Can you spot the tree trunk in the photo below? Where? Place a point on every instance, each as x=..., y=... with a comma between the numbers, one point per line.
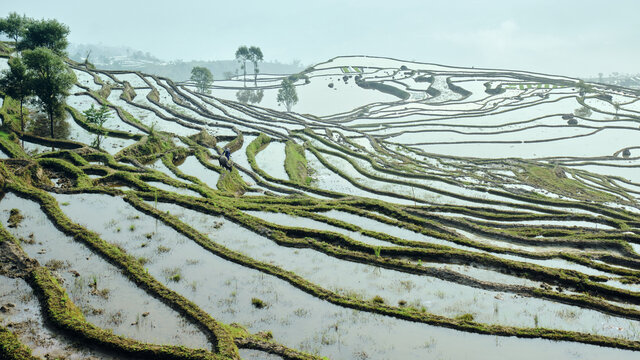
x=22, y=122
x=99, y=137
x=51, y=121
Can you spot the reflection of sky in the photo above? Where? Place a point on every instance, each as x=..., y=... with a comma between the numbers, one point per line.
x=545, y=36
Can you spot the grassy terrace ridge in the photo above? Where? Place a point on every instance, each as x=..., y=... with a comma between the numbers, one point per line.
x=296, y=230
x=127, y=263
x=251, y=152
x=259, y=226
x=230, y=181
x=55, y=296
x=535, y=200
x=82, y=121
x=295, y=163
x=414, y=315
x=409, y=314
x=558, y=233
x=11, y=348
x=64, y=315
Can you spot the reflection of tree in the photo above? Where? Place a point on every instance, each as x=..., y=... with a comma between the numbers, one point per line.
x=250, y=96
x=243, y=96
x=582, y=112
x=257, y=97
x=40, y=126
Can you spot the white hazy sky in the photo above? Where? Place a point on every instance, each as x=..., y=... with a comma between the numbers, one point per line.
x=569, y=37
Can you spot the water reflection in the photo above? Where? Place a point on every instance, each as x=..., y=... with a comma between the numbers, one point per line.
x=41, y=126
x=250, y=96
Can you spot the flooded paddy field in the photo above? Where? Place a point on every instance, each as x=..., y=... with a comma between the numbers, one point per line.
x=400, y=209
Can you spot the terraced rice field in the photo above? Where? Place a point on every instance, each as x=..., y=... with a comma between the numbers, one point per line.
x=402, y=211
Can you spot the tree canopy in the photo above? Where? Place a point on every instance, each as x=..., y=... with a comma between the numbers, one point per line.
x=50, y=80
x=250, y=96
x=255, y=55
x=202, y=77
x=287, y=94
x=16, y=83
x=14, y=26
x=49, y=34
x=97, y=117
x=242, y=55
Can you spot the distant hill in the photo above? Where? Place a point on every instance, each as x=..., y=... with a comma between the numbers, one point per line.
x=626, y=80
x=124, y=58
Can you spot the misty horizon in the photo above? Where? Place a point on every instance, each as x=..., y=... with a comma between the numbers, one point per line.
x=578, y=39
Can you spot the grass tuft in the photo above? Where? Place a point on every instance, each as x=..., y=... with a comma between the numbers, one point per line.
x=257, y=303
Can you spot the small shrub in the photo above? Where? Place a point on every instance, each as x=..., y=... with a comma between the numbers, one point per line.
x=257, y=303
x=103, y=293
x=378, y=299
x=173, y=274
x=56, y=265
x=582, y=111
x=15, y=218
x=465, y=317
x=29, y=240
x=407, y=285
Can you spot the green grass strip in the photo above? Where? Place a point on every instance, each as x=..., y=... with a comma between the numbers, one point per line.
x=295, y=163
x=344, y=301
x=81, y=120
x=11, y=348
x=65, y=315
x=130, y=266
x=232, y=182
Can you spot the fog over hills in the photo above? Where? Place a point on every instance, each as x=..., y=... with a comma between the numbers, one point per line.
x=126, y=58
x=572, y=38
